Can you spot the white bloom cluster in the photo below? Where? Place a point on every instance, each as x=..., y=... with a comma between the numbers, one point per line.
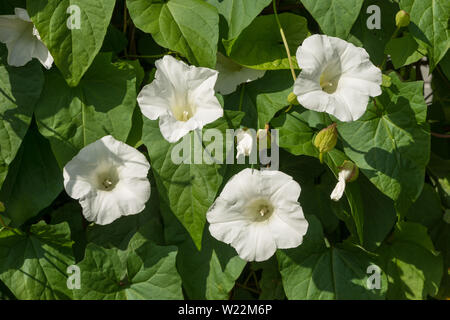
x=258, y=211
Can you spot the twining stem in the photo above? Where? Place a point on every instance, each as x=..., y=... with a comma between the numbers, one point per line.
x=147, y=56
x=241, y=98
x=125, y=23
x=441, y=135
x=286, y=46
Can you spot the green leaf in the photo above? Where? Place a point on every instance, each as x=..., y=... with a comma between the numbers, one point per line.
x=71, y=213
x=188, y=189
x=101, y=104
x=262, y=99
x=316, y=186
x=374, y=40
x=427, y=209
x=210, y=273
x=335, y=17
x=295, y=134
x=414, y=269
x=20, y=89
x=33, y=265
x=73, y=49
x=440, y=171
x=403, y=51
x=144, y=271
x=271, y=283
x=34, y=179
x=429, y=25
x=391, y=142
x=313, y=271
x=239, y=14
x=190, y=27
x=260, y=45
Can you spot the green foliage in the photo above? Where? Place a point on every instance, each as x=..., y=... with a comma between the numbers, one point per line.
x=260, y=45
x=20, y=89
x=335, y=17
x=101, y=104
x=190, y=27
x=33, y=263
x=73, y=49
x=390, y=228
x=392, y=143
x=429, y=26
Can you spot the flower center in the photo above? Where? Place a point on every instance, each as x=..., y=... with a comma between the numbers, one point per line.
x=183, y=113
x=260, y=210
x=328, y=85
x=329, y=79
x=107, y=179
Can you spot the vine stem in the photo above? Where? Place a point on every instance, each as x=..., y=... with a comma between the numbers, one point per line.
x=441, y=135
x=241, y=98
x=283, y=36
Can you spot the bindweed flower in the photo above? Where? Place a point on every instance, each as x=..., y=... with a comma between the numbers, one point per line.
x=232, y=74
x=258, y=212
x=245, y=142
x=348, y=172
x=181, y=96
x=337, y=77
x=22, y=40
x=109, y=179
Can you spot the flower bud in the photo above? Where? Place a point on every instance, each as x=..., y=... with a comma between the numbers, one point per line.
x=351, y=171
x=292, y=99
x=244, y=142
x=348, y=172
x=264, y=139
x=402, y=19
x=326, y=140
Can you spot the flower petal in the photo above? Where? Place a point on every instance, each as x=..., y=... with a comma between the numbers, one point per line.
x=42, y=54
x=11, y=28
x=20, y=51
x=173, y=130
x=338, y=191
x=22, y=14
x=232, y=74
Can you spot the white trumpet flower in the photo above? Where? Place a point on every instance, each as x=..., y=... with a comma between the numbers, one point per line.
x=258, y=212
x=337, y=77
x=109, y=179
x=232, y=74
x=181, y=96
x=22, y=40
